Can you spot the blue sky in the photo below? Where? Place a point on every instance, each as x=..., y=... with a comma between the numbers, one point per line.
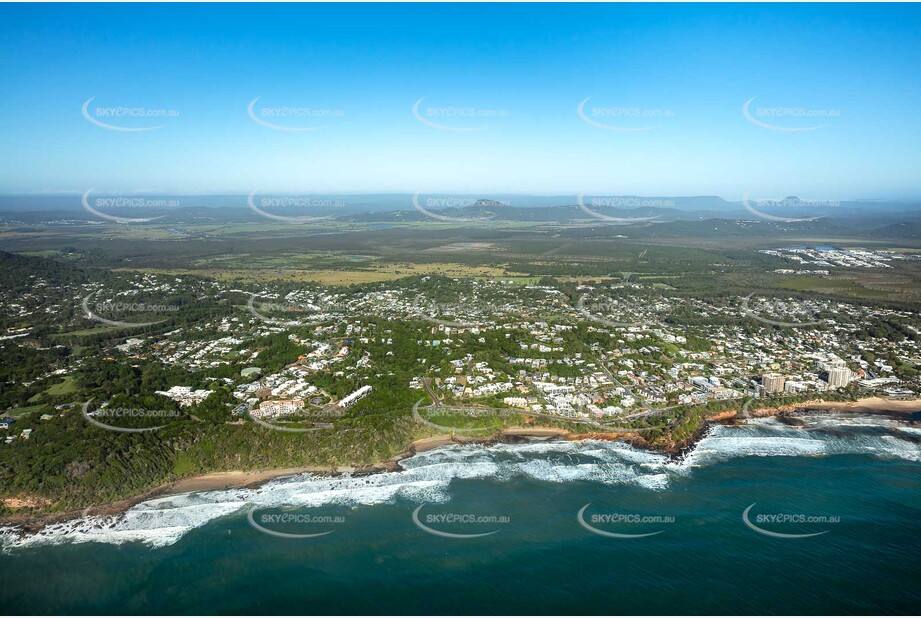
x=680, y=72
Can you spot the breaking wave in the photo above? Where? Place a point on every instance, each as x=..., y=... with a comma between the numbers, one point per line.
x=426, y=477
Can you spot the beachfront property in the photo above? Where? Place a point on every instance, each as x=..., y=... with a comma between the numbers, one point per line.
x=838, y=377
x=874, y=383
x=772, y=383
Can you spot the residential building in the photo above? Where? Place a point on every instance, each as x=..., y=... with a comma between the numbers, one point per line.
x=278, y=407
x=772, y=383
x=348, y=400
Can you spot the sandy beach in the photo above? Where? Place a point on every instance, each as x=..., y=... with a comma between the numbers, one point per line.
x=427, y=444
x=235, y=479
x=868, y=405
x=240, y=478
x=871, y=405
x=534, y=432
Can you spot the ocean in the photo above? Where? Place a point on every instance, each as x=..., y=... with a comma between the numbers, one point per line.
x=763, y=518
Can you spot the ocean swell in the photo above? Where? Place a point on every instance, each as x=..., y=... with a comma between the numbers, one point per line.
x=426, y=477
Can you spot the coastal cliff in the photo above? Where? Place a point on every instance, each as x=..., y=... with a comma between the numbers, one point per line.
x=32, y=512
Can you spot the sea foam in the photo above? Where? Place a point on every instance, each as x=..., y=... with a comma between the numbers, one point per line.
x=426, y=477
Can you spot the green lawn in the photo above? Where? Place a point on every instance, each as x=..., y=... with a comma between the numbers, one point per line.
x=20, y=412
x=464, y=422
x=67, y=387
x=86, y=332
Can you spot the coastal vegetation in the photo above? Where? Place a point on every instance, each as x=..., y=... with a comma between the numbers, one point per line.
x=58, y=358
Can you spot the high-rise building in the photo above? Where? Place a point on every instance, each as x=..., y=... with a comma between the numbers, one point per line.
x=772, y=383
x=838, y=377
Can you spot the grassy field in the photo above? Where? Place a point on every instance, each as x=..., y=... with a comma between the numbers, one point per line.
x=20, y=412
x=259, y=270
x=347, y=252
x=67, y=387
x=464, y=422
x=868, y=285
x=88, y=332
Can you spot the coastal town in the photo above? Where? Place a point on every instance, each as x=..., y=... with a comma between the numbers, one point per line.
x=460, y=309
x=615, y=354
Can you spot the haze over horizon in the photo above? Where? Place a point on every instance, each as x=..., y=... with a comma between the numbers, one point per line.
x=441, y=309
x=479, y=99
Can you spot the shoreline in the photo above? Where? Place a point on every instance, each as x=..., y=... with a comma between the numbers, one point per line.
x=252, y=479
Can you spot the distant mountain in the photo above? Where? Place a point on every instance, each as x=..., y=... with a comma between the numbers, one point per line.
x=395, y=208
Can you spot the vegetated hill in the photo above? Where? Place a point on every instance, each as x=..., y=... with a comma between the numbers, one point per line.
x=897, y=231
x=716, y=229
x=661, y=209
x=486, y=210
x=20, y=271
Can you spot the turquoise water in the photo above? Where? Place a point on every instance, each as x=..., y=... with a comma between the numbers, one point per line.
x=200, y=553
